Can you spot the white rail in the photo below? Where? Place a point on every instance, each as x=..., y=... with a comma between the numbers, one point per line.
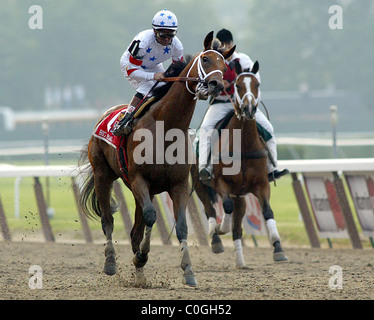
x=318, y=165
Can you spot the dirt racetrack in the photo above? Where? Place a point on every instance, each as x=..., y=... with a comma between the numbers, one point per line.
x=74, y=271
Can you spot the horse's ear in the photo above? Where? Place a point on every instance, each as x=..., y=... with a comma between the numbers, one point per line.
x=208, y=41
x=228, y=53
x=238, y=67
x=255, y=67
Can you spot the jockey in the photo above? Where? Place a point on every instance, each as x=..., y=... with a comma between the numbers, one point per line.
x=222, y=105
x=141, y=63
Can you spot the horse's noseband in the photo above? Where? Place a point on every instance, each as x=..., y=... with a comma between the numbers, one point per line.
x=202, y=89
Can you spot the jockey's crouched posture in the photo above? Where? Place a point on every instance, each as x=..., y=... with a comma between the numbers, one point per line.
x=142, y=65
x=222, y=105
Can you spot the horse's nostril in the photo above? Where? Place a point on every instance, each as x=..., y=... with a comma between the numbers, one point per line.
x=215, y=85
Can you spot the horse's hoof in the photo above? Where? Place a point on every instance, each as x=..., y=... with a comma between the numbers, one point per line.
x=189, y=277
x=241, y=267
x=217, y=246
x=110, y=268
x=279, y=257
x=110, y=263
x=278, y=254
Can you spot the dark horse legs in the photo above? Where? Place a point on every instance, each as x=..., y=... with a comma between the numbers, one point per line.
x=103, y=188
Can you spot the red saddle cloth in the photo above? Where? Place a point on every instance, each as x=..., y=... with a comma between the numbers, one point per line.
x=103, y=131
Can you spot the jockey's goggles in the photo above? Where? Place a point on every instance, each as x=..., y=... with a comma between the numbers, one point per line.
x=165, y=35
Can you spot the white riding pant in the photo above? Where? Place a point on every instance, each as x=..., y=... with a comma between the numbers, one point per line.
x=217, y=112
x=143, y=86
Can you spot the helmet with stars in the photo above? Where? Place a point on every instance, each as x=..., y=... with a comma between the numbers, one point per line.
x=165, y=19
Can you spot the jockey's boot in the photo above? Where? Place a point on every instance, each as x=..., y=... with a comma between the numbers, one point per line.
x=276, y=174
x=124, y=126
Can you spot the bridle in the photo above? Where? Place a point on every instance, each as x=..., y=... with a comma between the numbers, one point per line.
x=240, y=100
x=202, y=75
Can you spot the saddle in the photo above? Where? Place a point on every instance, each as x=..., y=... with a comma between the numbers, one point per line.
x=103, y=131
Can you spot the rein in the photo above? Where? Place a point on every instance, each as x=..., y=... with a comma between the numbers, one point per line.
x=179, y=79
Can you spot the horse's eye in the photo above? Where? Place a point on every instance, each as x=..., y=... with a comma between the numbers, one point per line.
x=205, y=59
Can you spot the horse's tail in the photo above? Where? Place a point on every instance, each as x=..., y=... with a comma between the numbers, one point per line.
x=87, y=199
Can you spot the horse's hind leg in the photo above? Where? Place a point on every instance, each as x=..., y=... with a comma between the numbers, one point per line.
x=237, y=217
x=267, y=212
x=103, y=187
x=278, y=254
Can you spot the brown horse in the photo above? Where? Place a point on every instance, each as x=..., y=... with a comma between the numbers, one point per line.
x=244, y=159
x=171, y=114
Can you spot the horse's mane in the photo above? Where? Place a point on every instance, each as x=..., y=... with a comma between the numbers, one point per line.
x=174, y=70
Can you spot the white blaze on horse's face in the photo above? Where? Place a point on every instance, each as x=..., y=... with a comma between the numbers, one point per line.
x=247, y=94
x=247, y=82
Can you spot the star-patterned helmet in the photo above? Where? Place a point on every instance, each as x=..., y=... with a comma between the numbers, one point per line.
x=165, y=19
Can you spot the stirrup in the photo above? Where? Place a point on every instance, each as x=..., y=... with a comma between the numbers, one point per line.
x=123, y=129
x=119, y=128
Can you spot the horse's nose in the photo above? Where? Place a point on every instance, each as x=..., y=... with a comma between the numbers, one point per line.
x=215, y=87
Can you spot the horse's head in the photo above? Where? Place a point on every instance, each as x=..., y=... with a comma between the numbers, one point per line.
x=209, y=66
x=247, y=91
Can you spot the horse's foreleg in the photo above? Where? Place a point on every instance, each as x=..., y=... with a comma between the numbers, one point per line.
x=204, y=195
x=228, y=207
x=237, y=217
x=267, y=212
x=179, y=195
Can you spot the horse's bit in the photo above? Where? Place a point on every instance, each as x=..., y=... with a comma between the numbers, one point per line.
x=202, y=75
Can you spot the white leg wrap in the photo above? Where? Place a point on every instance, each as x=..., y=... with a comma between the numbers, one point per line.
x=238, y=252
x=226, y=223
x=212, y=226
x=273, y=232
